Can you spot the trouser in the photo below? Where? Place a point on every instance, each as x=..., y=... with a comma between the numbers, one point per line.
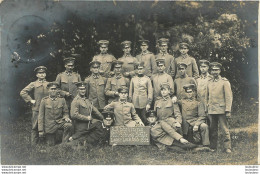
x=169, y=127
x=141, y=113
x=51, y=137
x=213, y=130
x=34, y=131
x=204, y=133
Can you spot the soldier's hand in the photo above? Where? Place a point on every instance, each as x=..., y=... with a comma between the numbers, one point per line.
x=116, y=94
x=228, y=115
x=70, y=139
x=89, y=118
x=141, y=123
x=68, y=120
x=41, y=134
x=147, y=107
x=101, y=72
x=68, y=94
x=174, y=99
x=126, y=74
x=33, y=102
x=177, y=125
x=183, y=141
x=195, y=128
x=111, y=74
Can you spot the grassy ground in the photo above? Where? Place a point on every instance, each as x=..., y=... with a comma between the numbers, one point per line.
x=16, y=149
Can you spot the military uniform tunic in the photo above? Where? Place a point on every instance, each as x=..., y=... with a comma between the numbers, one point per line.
x=67, y=82
x=125, y=114
x=113, y=84
x=157, y=80
x=150, y=66
x=168, y=114
x=169, y=63
x=91, y=130
x=96, y=90
x=129, y=64
x=192, y=67
x=106, y=63
x=180, y=82
x=202, y=83
x=39, y=89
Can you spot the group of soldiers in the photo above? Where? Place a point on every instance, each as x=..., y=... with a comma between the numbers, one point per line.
x=182, y=108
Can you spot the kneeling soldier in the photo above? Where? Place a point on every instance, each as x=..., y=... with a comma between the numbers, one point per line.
x=88, y=120
x=125, y=114
x=54, y=115
x=166, y=133
x=193, y=116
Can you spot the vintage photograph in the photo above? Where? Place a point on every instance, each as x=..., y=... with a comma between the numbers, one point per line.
x=129, y=82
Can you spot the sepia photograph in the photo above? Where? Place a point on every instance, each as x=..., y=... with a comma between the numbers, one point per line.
x=129, y=82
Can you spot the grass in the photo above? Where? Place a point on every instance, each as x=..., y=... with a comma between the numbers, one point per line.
x=16, y=149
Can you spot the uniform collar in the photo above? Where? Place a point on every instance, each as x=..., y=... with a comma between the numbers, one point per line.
x=204, y=77
x=184, y=56
x=163, y=53
x=118, y=76
x=127, y=55
x=122, y=101
x=182, y=77
x=103, y=54
x=83, y=98
x=166, y=98
x=145, y=52
x=95, y=76
x=41, y=81
x=53, y=98
x=68, y=73
x=216, y=79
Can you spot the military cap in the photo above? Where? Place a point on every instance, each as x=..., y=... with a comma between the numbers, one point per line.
x=184, y=45
x=215, y=65
x=163, y=41
x=53, y=84
x=160, y=61
x=69, y=60
x=144, y=42
x=81, y=85
x=189, y=88
x=204, y=62
x=108, y=112
x=165, y=85
x=126, y=44
x=103, y=43
x=95, y=63
x=40, y=69
x=123, y=89
x=182, y=65
x=118, y=63
x=139, y=64
x=151, y=113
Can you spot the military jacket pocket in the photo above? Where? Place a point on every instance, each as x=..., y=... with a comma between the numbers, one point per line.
x=64, y=80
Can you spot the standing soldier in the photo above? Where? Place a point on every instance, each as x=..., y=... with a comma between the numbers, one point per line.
x=169, y=59
x=219, y=101
x=114, y=83
x=193, y=116
x=182, y=80
x=192, y=68
x=141, y=92
x=202, y=80
x=105, y=59
x=88, y=120
x=128, y=60
x=54, y=115
x=67, y=81
x=125, y=114
x=95, y=86
x=39, y=88
x=148, y=58
x=159, y=78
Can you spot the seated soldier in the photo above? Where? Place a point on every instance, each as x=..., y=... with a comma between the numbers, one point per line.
x=87, y=120
x=165, y=132
x=193, y=116
x=125, y=114
x=54, y=115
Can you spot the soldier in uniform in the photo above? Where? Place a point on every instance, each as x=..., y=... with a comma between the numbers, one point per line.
x=202, y=80
x=166, y=132
x=169, y=59
x=95, y=85
x=193, y=116
x=87, y=119
x=105, y=59
x=128, y=60
x=192, y=68
x=114, y=83
x=182, y=80
x=219, y=101
x=67, y=81
x=125, y=114
x=148, y=58
x=159, y=78
x=141, y=92
x=39, y=89
x=54, y=115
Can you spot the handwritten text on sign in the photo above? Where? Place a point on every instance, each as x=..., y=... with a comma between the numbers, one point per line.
x=120, y=135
